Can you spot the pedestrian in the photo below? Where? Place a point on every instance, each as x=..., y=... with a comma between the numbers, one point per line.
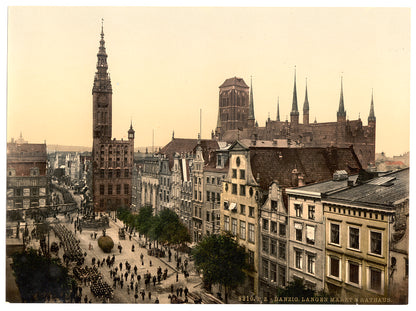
x=150, y=263
x=135, y=269
x=121, y=283
x=128, y=290
x=186, y=291
x=138, y=278
x=177, y=277
x=143, y=294
x=135, y=297
x=85, y=299
x=126, y=275
x=171, y=288
x=121, y=266
x=154, y=280
x=150, y=295
x=132, y=248
x=157, y=300
x=177, y=292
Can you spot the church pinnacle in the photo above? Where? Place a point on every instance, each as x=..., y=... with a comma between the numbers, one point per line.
x=371, y=116
x=278, y=110
x=294, y=114
x=251, y=107
x=306, y=106
x=341, y=113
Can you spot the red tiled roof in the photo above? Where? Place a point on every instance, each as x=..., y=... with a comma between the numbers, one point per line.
x=234, y=82
x=314, y=164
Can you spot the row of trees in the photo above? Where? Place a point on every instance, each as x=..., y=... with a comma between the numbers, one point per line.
x=165, y=227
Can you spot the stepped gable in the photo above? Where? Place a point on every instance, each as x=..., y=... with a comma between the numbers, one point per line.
x=314, y=164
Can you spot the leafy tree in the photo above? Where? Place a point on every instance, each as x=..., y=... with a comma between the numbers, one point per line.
x=39, y=277
x=221, y=261
x=144, y=220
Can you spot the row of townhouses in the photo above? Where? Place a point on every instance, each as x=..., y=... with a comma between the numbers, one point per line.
x=301, y=213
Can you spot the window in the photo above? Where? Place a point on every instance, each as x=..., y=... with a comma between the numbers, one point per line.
x=242, y=174
x=126, y=189
x=282, y=276
x=234, y=226
x=234, y=172
x=207, y=216
x=118, y=173
x=354, y=238
x=234, y=189
x=298, y=231
x=126, y=171
x=273, y=205
x=265, y=266
x=213, y=180
x=242, y=230
x=242, y=190
x=375, y=279
x=375, y=242
x=110, y=174
x=208, y=195
x=311, y=212
x=310, y=235
x=226, y=205
x=265, y=244
x=335, y=234
x=282, y=250
x=101, y=173
x=273, y=247
x=110, y=189
x=273, y=272
x=207, y=180
x=34, y=191
x=282, y=229
x=334, y=267
x=218, y=197
x=273, y=226
x=226, y=223
x=250, y=211
x=251, y=233
x=265, y=224
x=195, y=195
x=242, y=209
x=298, y=210
x=311, y=263
x=250, y=258
x=354, y=273
x=118, y=189
x=298, y=259
x=101, y=189
x=199, y=195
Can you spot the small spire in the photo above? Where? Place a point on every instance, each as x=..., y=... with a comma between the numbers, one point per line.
x=278, y=110
x=306, y=102
x=295, y=99
x=102, y=28
x=341, y=110
x=251, y=107
x=372, y=116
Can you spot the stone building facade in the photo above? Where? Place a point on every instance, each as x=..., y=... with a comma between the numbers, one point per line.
x=27, y=178
x=112, y=160
x=236, y=121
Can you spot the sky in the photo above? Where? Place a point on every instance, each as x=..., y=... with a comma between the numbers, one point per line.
x=166, y=64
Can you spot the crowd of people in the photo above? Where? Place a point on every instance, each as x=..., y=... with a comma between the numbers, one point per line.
x=70, y=245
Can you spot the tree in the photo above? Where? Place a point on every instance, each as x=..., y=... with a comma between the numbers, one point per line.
x=144, y=220
x=39, y=277
x=221, y=261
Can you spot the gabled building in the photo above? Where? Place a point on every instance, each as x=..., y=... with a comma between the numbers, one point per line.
x=246, y=189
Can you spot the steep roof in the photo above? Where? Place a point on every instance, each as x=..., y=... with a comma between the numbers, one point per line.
x=234, y=82
x=187, y=145
x=314, y=164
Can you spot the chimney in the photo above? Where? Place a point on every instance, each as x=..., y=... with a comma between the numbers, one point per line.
x=301, y=182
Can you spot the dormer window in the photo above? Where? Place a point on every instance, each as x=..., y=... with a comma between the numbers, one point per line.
x=34, y=171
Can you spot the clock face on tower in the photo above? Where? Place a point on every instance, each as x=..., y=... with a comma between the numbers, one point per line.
x=102, y=100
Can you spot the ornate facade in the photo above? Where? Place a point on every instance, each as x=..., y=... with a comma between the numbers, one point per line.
x=112, y=159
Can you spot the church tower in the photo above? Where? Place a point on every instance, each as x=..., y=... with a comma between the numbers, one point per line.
x=371, y=116
x=251, y=119
x=102, y=96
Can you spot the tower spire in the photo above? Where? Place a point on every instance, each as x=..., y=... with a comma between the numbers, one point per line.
x=251, y=107
x=278, y=110
x=371, y=116
x=306, y=105
x=341, y=113
x=102, y=81
x=294, y=114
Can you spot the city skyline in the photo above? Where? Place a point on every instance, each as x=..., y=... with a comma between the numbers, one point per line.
x=167, y=63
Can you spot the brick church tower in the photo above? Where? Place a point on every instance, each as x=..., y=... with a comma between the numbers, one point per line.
x=112, y=159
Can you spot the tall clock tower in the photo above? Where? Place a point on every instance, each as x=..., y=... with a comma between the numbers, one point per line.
x=102, y=96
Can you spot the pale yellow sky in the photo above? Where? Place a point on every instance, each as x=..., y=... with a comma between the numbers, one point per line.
x=167, y=63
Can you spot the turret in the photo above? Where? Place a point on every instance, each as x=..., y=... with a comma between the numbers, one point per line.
x=131, y=132
x=251, y=118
